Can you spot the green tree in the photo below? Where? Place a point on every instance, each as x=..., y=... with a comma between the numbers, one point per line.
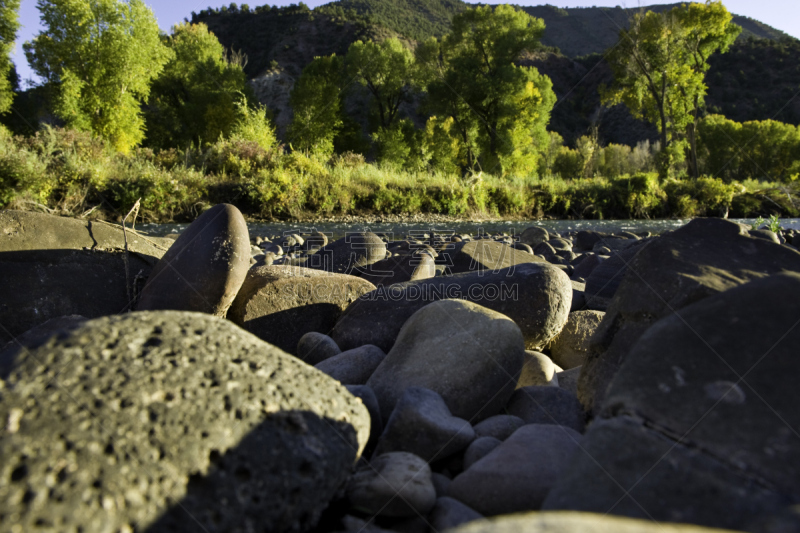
x=501, y=110
x=317, y=106
x=102, y=56
x=9, y=24
x=387, y=70
x=194, y=98
x=659, y=66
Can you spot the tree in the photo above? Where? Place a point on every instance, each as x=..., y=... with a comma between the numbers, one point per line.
x=317, y=105
x=9, y=24
x=500, y=110
x=659, y=66
x=101, y=55
x=194, y=98
x=386, y=69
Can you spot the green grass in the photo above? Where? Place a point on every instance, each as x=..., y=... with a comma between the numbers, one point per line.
x=70, y=173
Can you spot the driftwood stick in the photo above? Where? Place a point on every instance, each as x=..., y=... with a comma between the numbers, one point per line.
x=135, y=211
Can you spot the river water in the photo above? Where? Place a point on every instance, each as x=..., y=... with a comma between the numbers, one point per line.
x=398, y=229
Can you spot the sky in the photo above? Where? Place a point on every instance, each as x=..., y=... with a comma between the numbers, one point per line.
x=781, y=14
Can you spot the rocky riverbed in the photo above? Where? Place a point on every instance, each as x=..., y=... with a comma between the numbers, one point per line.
x=540, y=382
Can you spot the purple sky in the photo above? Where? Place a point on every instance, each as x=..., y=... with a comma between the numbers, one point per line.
x=781, y=14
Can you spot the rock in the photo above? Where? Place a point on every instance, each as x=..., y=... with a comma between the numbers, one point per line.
x=517, y=475
x=535, y=296
x=422, y=424
x=54, y=266
x=441, y=483
x=393, y=484
x=682, y=484
x=499, y=426
x=560, y=244
x=613, y=244
x=33, y=338
x=484, y=256
x=585, y=240
x=568, y=379
x=141, y=419
x=547, y=405
x=449, y=513
x=315, y=240
x=205, y=267
x=545, y=250
x=470, y=355
x=572, y=522
x=578, y=296
x=478, y=449
x=765, y=234
x=719, y=363
x=367, y=397
x=400, y=268
x=570, y=348
x=350, y=254
x=534, y=236
x=353, y=367
x=537, y=370
x=314, y=347
x=281, y=304
x=703, y=258
x=605, y=278
x=586, y=266
x=522, y=246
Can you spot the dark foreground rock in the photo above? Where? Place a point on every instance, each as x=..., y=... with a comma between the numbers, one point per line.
x=536, y=296
x=703, y=258
x=205, y=267
x=280, y=304
x=470, y=355
x=701, y=415
x=171, y=421
x=56, y=266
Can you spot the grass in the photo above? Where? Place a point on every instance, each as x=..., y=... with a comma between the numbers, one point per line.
x=70, y=173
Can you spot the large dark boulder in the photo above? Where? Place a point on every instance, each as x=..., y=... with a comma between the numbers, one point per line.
x=536, y=296
x=701, y=415
x=171, y=421
x=54, y=266
x=205, y=267
x=484, y=255
x=701, y=259
x=280, y=304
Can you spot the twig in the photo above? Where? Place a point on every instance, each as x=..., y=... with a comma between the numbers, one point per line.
x=135, y=211
x=90, y=211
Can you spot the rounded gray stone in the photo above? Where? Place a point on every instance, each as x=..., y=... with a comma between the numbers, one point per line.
x=393, y=484
x=547, y=405
x=353, y=367
x=478, y=449
x=315, y=347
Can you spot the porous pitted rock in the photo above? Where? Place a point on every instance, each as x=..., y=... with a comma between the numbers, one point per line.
x=422, y=424
x=570, y=347
x=54, y=266
x=722, y=379
x=203, y=270
x=517, y=475
x=314, y=347
x=484, y=256
x=470, y=355
x=536, y=296
x=538, y=370
x=547, y=405
x=134, y=421
x=570, y=522
x=280, y=304
x=703, y=258
x=393, y=484
x=350, y=254
x=353, y=367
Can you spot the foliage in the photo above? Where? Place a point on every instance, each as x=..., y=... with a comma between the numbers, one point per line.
x=317, y=106
x=102, y=55
x=500, y=110
x=386, y=69
x=659, y=66
x=9, y=24
x=253, y=125
x=193, y=100
x=773, y=224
